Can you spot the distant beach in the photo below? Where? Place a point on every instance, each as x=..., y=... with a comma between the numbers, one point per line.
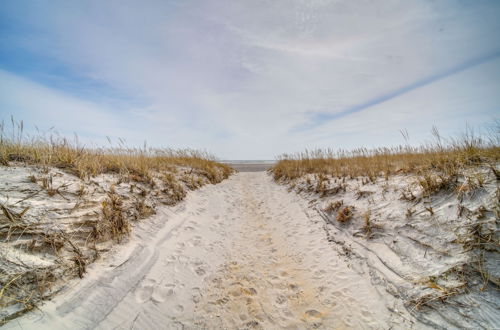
x=250, y=165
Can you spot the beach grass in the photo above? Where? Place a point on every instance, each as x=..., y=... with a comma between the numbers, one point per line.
x=436, y=163
x=85, y=162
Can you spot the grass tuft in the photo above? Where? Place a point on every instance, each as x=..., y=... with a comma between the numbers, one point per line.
x=345, y=214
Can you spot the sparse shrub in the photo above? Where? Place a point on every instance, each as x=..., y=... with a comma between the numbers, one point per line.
x=191, y=181
x=143, y=209
x=48, y=185
x=345, y=214
x=174, y=191
x=114, y=223
x=368, y=226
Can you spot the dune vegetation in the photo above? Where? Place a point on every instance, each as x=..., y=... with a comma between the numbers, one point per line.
x=84, y=162
x=63, y=204
x=446, y=156
x=428, y=213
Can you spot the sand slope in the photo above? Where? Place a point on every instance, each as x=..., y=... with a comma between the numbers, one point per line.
x=241, y=254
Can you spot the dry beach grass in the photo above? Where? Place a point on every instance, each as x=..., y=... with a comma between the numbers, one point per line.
x=436, y=162
x=54, y=151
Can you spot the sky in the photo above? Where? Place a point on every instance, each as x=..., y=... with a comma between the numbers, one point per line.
x=250, y=79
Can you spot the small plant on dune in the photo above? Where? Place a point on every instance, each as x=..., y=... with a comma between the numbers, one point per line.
x=174, y=191
x=333, y=206
x=114, y=224
x=79, y=259
x=143, y=209
x=345, y=214
x=369, y=226
x=47, y=185
x=191, y=181
x=321, y=184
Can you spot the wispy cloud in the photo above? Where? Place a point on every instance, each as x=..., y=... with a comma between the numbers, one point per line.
x=321, y=118
x=236, y=77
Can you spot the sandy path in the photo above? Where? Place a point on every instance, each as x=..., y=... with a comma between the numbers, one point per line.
x=241, y=254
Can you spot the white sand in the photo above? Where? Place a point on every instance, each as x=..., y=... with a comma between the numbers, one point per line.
x=244, y=253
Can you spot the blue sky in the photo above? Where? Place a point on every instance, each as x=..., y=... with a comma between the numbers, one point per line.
x=250, y=79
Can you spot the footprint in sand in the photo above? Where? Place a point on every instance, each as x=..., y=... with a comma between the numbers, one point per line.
x=195, y=295
x=200, y=270
x=313, y=313
x=195, y=241
x=367, y=315
x=143, y=293
x=162, y=293
x=319, y=274
x=294, y=287
x=281, y=299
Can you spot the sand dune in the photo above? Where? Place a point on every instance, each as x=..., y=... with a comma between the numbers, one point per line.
x=241, y=254
x=250, y=253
